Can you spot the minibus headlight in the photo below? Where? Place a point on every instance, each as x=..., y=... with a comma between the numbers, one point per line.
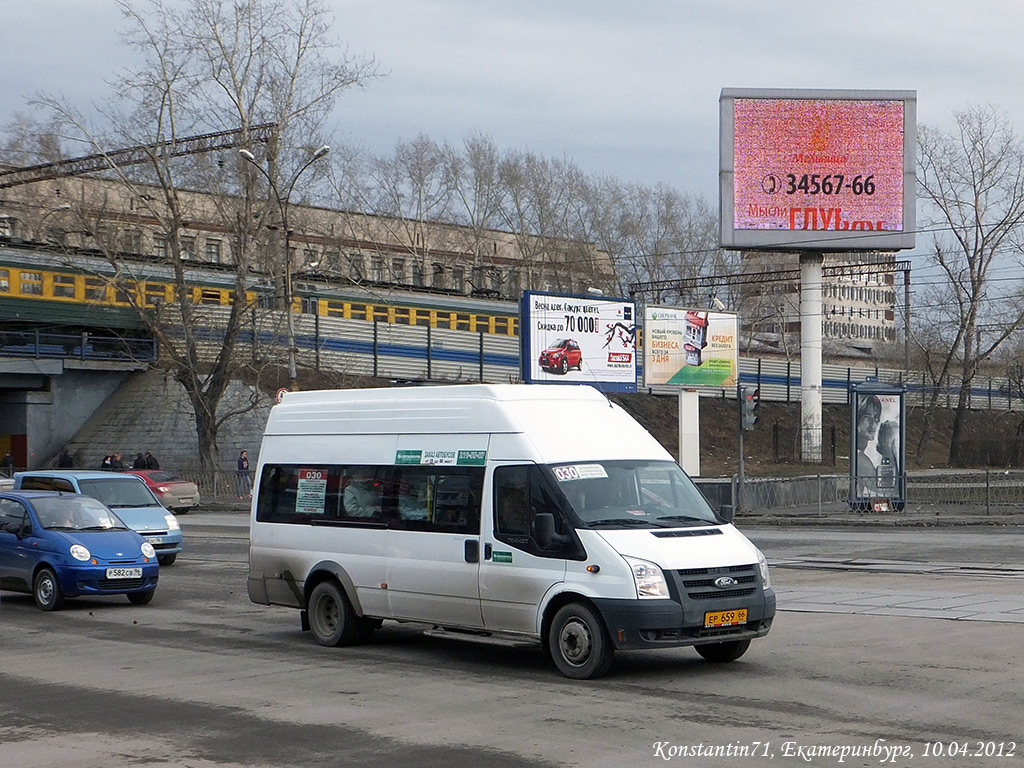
x=649, y=580
x=762, y=564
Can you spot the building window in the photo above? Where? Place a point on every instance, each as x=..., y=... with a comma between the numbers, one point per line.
x=398, y=270
x=355, y=268
x=213, y=250
x=417, y=274
x=438, y=279
x=188, y=247
x=6, y=226
x=377, y=269
x=459, y=279
x=160, y=249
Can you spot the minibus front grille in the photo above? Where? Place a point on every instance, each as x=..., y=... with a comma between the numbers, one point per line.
x=699, y=583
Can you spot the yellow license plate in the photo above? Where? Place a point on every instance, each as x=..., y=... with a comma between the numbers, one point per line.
x=725, y=618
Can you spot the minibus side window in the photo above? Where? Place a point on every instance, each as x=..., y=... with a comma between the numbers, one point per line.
x=313, y=493
x=520, y=493
x=440, y=499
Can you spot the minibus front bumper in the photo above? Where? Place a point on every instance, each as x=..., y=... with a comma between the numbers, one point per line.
x=634, y=624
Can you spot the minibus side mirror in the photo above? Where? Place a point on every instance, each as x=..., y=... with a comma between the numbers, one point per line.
x=726, y=512
x=544, y=531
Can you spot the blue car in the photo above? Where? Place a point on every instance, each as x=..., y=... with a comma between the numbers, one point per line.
x=57, y=545
x=127, y=495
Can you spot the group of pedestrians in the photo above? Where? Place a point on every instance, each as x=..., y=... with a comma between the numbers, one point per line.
x=112, y=462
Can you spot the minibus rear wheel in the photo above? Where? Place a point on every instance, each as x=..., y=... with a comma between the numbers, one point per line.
x=578, y=643
x=721, y=653
x=331, y=618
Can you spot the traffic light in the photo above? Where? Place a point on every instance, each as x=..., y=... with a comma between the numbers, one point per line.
x=750, y=398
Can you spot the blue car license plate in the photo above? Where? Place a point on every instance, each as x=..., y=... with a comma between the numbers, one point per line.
x=124, y=573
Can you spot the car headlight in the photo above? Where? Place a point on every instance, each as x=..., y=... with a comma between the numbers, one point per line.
x=172, y=523
x=147, y=550
x=79, y=552
x=762, y=565
x=649, y=580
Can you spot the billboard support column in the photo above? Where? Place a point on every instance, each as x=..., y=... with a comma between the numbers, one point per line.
x=810, y=355
x=689, y=431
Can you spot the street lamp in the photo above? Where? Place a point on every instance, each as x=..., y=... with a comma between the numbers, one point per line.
x=283, y=202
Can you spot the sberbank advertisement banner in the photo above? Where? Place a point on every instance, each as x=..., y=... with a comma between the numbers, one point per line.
x=690, y=347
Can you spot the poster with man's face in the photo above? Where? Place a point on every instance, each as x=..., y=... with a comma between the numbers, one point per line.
x=877, y=457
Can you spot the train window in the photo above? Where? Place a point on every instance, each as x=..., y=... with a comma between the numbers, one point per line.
x=32, y=283
x=461, y=323
x=310, y=305
x=358, y=312
x=422, y=317
x=124, y=292
x=64, y=286
x=403, y=316
x=334, y=308
x=95, y=289
x=5, y=281
x=210, y=296
x=379, y=313
x=154, y=294
x=265, y=300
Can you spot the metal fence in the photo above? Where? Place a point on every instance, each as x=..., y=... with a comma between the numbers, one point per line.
x=986, y=492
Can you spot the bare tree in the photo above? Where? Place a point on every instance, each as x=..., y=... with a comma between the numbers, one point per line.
x=972, y=179
x=210, y=65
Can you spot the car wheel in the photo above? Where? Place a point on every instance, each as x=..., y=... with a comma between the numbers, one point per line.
x=141, y=598
x=167, y=559
x=579, y=365
x=564, y=367
x=46, y=590
x=720, y=653
x=578, y=643
x=331, y=618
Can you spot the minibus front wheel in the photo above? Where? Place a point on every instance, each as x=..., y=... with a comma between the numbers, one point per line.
x=331, y=618
x=578, y=642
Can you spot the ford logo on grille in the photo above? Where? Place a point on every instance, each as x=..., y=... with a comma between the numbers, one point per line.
x=724, y=582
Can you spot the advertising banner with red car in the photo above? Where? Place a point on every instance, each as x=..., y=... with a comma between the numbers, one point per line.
x=579, y=340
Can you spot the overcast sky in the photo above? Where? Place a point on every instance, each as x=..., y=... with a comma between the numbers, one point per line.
x=629, y=89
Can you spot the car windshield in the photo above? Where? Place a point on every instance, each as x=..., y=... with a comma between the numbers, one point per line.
x=632, y=494
x=118, y=493
x=75, y=513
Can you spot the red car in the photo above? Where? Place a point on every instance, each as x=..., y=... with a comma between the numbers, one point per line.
x=176, y=494
x=561, y=356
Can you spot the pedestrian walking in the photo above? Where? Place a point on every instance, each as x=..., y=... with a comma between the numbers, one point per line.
x=7, y=465
x=151, y=462
x=244, y=482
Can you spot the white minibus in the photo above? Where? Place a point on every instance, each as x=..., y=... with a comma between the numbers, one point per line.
x=507, y=512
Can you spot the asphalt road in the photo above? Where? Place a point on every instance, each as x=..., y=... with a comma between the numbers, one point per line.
x=201, y=677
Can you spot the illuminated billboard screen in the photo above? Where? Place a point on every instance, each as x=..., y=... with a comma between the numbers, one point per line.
x=578, y=340
x=689, y=347
x=817, y=170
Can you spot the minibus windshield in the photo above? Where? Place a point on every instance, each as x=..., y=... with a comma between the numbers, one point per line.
x=632, y=494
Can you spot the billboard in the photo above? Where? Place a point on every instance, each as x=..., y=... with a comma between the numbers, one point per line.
x=690, y=347
x=878, y=444
x=823, y=170
x=578, y=340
